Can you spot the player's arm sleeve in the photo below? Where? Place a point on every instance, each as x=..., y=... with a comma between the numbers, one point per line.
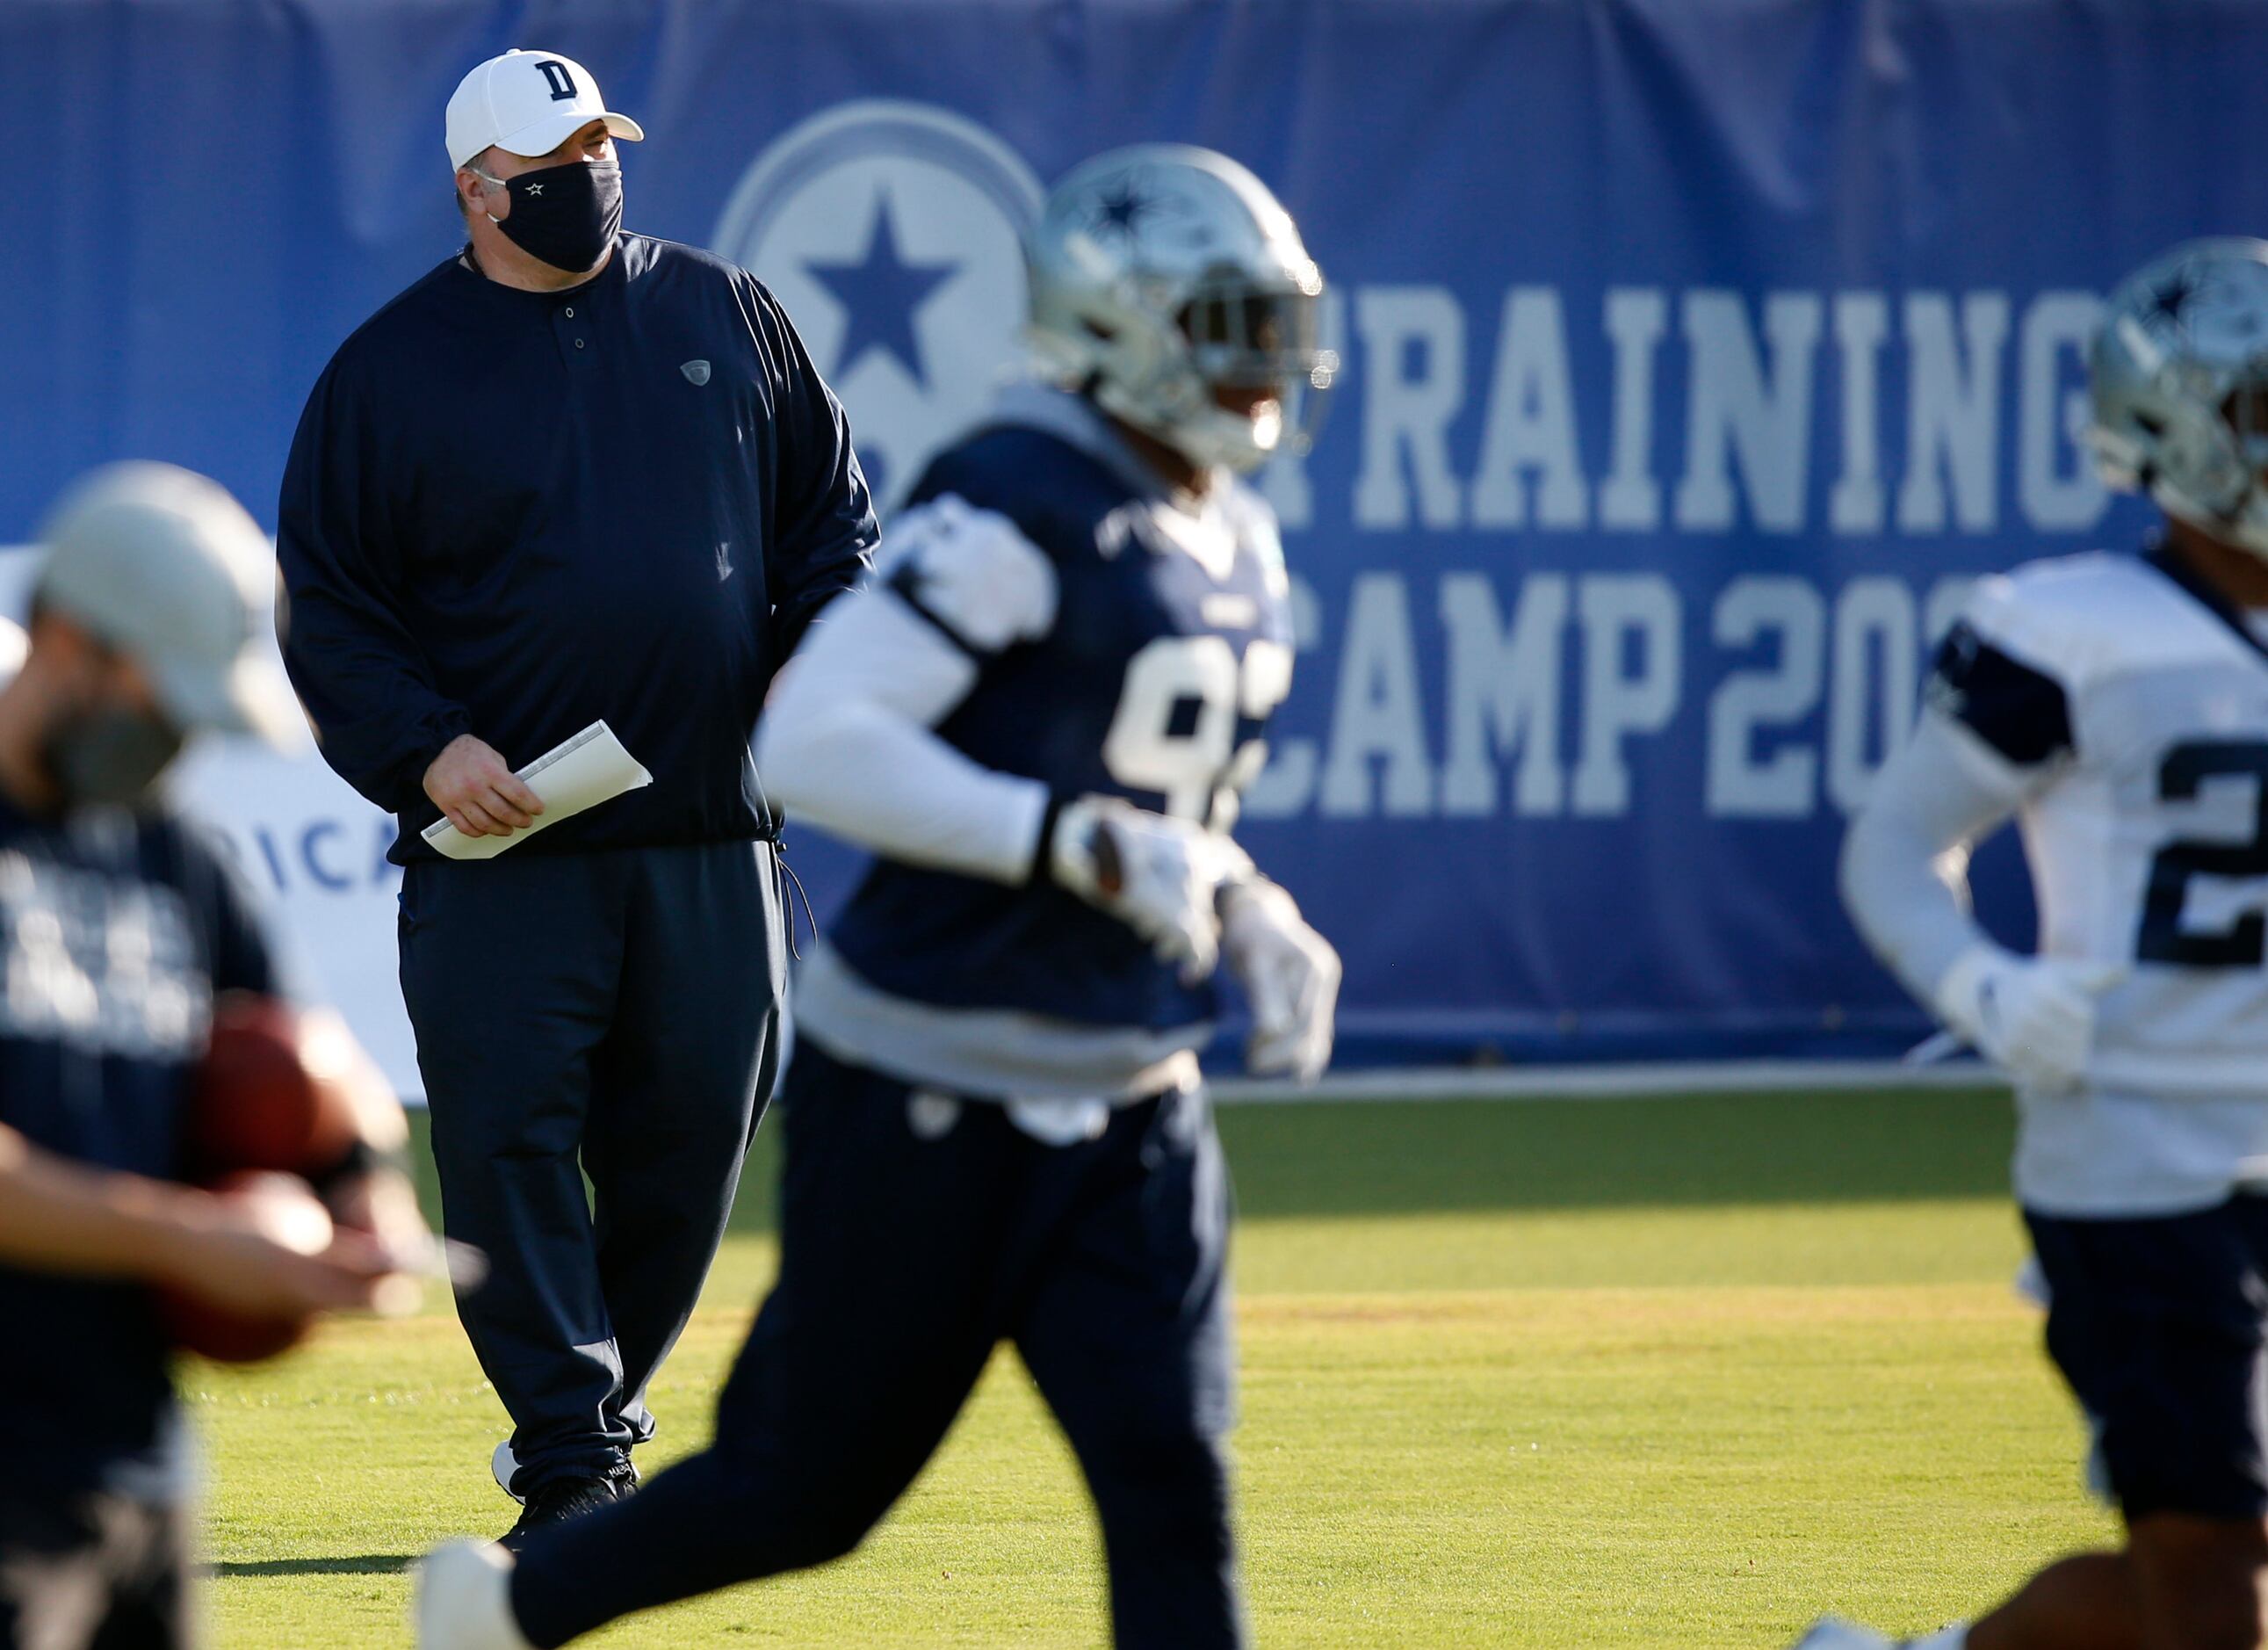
x=61, y=1216
x=1994, y=730
x=848, y=740
x=367, y=685
x=823, y=530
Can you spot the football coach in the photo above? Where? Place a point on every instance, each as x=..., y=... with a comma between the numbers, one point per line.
x=571, y=474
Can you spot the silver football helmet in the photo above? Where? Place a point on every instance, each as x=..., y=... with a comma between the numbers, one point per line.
x=2180, y=379
x=1162, y=272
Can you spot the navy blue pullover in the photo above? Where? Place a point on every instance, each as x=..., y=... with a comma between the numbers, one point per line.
x=511, y=513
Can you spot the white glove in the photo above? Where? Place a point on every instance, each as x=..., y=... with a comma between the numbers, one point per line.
x=1159, y=875
x=2032, y=1016
x=1290, y=974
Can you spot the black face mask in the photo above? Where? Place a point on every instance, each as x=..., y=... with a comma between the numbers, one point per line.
x=565, y=216
x=109, y=757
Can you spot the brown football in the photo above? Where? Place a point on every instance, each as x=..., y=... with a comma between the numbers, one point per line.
x=290, y=1212
x=270, y=1094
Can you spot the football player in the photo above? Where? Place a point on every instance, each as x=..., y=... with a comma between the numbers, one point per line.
x=2117, y=706
x=121, y=928
x=1039, y=718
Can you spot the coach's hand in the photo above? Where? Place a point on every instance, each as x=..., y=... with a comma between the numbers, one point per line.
x=477, y=791
x=2032, y=1016
x=1157, y=875
x=1291, y=976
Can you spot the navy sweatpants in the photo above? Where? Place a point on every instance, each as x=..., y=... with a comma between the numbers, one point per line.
x=915, y=1235
x=613, y=1013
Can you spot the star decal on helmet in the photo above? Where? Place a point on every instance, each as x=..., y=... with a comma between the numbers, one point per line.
x=1121, y=208
x=2170, y=300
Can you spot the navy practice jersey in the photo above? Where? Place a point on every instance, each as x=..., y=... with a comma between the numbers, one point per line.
x=115, y=935
x=1169, y=646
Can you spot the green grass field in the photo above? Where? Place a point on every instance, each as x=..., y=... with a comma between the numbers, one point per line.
x=1643, y=1373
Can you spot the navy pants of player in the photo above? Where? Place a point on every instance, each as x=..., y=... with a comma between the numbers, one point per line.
x=612, y=1013
x=2159, y=1323
x=917, y=1234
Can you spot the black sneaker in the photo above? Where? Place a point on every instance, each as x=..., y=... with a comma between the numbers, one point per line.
x=566, y=1499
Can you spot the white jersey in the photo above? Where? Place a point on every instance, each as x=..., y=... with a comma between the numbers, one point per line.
x=2129, y=705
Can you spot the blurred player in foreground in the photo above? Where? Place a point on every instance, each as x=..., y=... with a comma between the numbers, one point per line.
x=2117, y=706
x=119, y=929
x=1039, y=717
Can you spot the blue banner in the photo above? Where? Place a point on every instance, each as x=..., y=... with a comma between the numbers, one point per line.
x=1699, y=353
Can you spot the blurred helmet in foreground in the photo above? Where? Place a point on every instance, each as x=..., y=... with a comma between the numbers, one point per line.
x=1161, y=271
x=2180, y=381
x=165, y=565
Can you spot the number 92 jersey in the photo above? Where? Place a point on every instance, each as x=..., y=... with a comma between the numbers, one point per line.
x=2130, y=704
x=1136, y=651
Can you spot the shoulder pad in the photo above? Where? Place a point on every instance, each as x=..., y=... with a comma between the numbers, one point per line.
x=1058, y=496
x=971, y=573
x=2083, y=619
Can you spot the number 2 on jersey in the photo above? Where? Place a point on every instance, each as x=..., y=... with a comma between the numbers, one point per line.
x=1174, y=729
x=2161, y=938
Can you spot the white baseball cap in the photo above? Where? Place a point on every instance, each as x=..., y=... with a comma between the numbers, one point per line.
x=165, y=566
x=528, y=103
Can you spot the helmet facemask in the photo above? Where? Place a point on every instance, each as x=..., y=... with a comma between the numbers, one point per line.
x=2244, y=416
x=1243, y=337
x=1231, y=334
x=2202, y=462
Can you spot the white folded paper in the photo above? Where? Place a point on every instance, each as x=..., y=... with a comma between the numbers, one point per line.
x=589, y=769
